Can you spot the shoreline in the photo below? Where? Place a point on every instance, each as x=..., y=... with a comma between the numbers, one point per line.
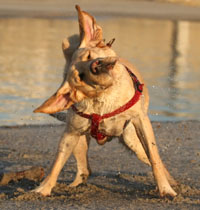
x=61, y=124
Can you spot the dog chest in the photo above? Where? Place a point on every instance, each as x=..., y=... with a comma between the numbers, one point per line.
x=113, y=126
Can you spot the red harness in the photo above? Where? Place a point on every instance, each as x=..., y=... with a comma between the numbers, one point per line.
x=96, y=118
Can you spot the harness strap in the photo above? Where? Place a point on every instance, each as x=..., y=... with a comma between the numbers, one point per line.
x=96, y=118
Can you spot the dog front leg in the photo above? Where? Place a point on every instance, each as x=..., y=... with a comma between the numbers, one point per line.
x=145, y=133
x=133, y=142
x=83, y=169
x=65, y=148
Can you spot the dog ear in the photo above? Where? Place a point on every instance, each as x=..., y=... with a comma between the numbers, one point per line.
x=61, y=100
x=69, y=46
x=89, y=30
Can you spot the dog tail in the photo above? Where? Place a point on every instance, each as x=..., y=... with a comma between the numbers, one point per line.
x=61, y=116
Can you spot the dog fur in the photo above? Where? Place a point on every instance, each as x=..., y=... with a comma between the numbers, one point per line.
x=100, y=92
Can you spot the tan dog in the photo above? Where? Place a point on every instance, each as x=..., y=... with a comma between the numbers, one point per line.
x=97, y=81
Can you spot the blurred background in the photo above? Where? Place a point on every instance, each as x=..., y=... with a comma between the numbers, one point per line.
x=161, y=38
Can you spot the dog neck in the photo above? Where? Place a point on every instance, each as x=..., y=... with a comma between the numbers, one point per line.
x=113, y=97
x=97, y=118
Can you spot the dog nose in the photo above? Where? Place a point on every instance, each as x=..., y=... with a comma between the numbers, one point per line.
x=102, y=65
x=95, y=67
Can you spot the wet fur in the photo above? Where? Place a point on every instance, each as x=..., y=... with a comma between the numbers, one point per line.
x=132, y=125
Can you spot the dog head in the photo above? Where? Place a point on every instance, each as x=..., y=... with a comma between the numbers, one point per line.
x=90, y=62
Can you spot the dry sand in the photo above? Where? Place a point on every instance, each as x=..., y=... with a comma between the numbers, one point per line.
x=118, y=181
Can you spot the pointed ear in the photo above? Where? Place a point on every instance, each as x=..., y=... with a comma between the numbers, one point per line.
x=61, y=100
x=69, y=46
x=89, y=30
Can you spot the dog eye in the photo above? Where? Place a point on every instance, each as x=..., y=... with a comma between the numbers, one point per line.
x=89, y=56
x=81, y=75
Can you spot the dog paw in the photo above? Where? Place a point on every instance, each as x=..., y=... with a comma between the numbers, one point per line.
x=45, y=191
x=167, y=191
x=76, y=183
x=45, y=187
x=80, y=179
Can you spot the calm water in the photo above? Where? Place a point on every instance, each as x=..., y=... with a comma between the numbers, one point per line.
x=31, y=64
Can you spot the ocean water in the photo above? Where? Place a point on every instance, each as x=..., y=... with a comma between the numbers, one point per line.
x=165, y=52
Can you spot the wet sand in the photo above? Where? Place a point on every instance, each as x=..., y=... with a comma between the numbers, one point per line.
x=118, y=180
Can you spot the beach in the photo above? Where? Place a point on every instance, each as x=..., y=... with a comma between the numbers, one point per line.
x=118, y=180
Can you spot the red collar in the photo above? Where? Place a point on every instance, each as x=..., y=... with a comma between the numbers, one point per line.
x=96, y=118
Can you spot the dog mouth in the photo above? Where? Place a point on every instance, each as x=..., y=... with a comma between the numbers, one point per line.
x=95, y=75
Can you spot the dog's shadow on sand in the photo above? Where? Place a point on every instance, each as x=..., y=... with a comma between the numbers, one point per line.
x=126, y=184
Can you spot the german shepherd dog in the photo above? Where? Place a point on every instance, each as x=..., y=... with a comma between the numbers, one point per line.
x=105, y=97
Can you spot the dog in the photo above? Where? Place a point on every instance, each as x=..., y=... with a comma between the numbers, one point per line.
x=105, y=97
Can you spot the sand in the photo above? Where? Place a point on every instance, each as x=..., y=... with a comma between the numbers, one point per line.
x=118, y=180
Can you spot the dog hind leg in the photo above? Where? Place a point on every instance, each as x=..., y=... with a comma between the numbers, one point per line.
x=66, y=146
x=80, y=154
